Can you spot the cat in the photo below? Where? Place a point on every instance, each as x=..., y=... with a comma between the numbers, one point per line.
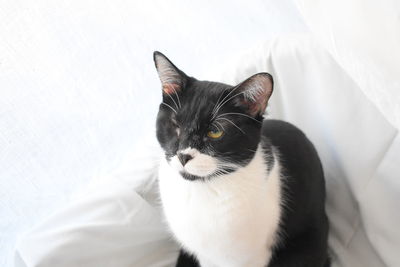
x=237, y=190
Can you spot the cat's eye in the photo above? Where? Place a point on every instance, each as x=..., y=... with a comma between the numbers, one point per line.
x=214, y=134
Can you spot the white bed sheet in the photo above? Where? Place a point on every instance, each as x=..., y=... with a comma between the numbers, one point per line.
x=358, y=146
x=363, y=36
x=77, y=79
x=312, y=91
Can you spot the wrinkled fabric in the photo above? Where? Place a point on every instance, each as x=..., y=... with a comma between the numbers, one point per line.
x=78, y=87
x=115, y=221
x=354, y=141
x=339, y=84
x=357, y=145
x=363, y=36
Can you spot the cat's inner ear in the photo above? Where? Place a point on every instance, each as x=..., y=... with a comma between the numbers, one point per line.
x=253, y=94
x=172, y=79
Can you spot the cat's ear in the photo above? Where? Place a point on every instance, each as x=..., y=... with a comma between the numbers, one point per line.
x=172, y=78
x=253, y=94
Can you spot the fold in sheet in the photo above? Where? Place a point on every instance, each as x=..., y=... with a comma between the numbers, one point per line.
x=120, y=224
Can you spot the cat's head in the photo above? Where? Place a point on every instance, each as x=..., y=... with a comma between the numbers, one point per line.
x=207, y=129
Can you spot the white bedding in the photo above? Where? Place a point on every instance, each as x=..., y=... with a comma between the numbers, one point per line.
x=358, y=146
x=117, y=223
x=78, y=88
x=313, y=92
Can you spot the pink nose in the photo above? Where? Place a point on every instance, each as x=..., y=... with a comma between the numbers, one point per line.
x=184, y=158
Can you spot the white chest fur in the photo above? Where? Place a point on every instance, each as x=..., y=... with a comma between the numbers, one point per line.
x=231, y=220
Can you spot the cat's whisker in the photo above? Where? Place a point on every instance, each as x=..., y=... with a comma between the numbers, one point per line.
x=173, y=100
x=177, y=97
x=169, y=107
x=220, y=125
x=228, y=167
x=217, y=103
x=227, y=163
x=219, y=173
x=220, y=168
x=225, y=98
x=228, y=120
x=226, y=101
x=240, y=114
x=217, y=128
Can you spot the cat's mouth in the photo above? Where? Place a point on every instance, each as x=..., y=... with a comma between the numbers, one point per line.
x=190, y=177
x=200, y=166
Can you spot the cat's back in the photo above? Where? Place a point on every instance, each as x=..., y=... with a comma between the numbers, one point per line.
x=296, y=151
x=302, y=177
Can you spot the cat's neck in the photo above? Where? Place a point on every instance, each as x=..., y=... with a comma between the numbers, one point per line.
x=200, y=212
x=261, y=165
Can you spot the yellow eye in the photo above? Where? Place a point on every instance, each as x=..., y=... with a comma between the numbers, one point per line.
x=215, y=134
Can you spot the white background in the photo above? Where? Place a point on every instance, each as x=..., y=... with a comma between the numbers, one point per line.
x=78, y=88
x=79, y=92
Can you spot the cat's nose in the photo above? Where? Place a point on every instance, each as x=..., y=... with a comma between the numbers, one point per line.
x=184, y=158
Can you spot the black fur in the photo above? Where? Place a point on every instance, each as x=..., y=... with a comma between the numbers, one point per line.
x=304, y=226
x=186, y=260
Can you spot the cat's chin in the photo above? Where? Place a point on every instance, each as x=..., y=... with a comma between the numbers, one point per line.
x=190, y=177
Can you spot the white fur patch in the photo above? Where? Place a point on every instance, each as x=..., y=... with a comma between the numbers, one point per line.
x=201, y=164
x=228, y=221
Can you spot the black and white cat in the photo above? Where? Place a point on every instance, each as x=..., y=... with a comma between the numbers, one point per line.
x=237, y=190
